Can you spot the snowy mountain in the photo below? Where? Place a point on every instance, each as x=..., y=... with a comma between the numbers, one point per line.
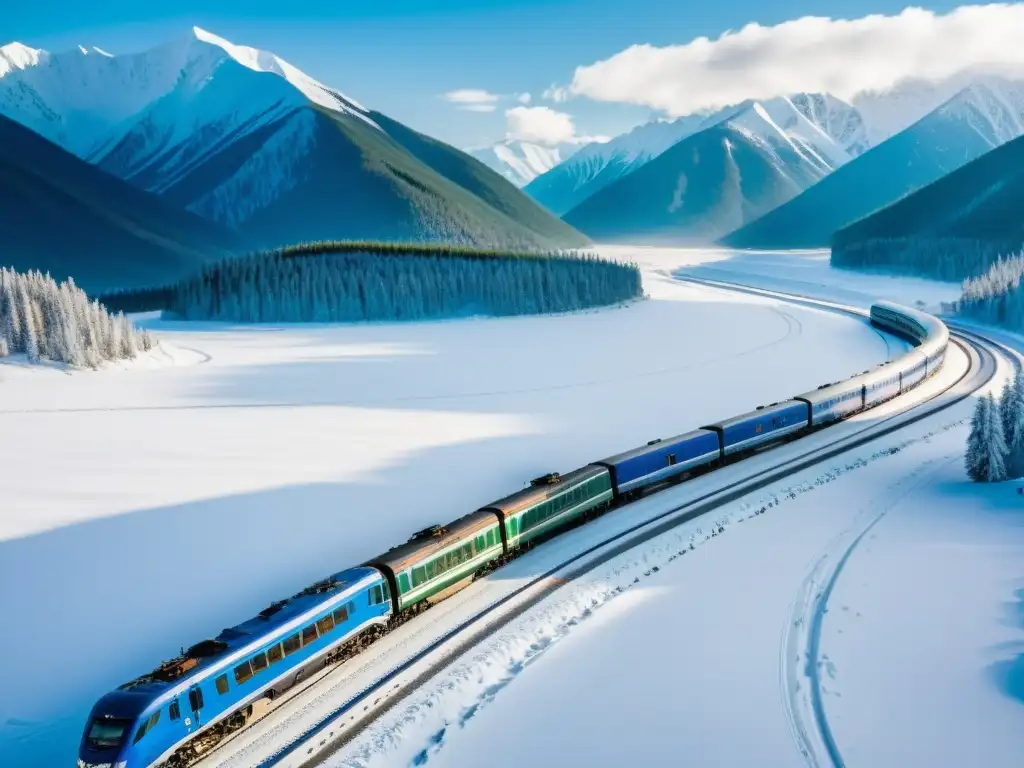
x=247, y=140
x=595, y=166
x=750, y=160
x=821, y=121
x=978, y=118
x=520, y=161
x=61, y=215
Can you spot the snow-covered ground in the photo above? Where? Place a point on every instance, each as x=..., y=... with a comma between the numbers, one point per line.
x=806, y=273
x=902, y=582
x=150, y=505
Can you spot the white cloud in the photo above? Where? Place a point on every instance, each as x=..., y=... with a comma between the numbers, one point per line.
x=477, y=107
x=557, y=93
x=543, y=125
x=470, y=96
x=843, y=57
x=524, y=98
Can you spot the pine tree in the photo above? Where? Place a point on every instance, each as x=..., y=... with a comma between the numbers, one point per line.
x=995, y=444
x=974, y=456
x=1012, y=412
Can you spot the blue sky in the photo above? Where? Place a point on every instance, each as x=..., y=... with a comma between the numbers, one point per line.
x=399, y=56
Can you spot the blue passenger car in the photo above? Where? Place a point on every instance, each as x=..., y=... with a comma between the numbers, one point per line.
x=212, y=687
x=661, y=460
x=763, y=426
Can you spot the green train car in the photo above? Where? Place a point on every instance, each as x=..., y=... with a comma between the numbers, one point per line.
x=551, y=502
x=437, y=559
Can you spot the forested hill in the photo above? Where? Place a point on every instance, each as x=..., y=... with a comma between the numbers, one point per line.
x=954, y=228
x=351, y=282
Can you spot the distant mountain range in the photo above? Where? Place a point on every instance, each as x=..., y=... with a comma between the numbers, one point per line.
x=248, y=141
x=521, y=161
x=61, y=215
x=737, y=165
x=975, y=120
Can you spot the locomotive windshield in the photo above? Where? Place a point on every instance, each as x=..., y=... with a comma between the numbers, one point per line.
x=107, y=733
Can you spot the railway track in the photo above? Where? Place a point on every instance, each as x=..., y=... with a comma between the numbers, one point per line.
x=335, y=726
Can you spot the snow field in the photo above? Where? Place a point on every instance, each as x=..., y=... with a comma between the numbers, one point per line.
x=157, y=504
x=690, y=648
x=265, y=738
x=806, y=273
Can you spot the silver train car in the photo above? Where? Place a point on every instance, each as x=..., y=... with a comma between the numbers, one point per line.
x=831, y=402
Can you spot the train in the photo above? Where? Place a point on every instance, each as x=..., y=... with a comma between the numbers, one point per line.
x=182, y=709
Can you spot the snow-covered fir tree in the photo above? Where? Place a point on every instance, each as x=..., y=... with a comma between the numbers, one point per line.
x=393, y=283
x=986, y=447
x=1011, y=407
x=46, y=320
x=941, y=258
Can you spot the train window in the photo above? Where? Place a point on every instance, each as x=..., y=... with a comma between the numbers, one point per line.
x=467, y=552
x=292, y=644
x=195, y=699
x=274, y=654
x=146, y=727
x=480, y=544
x=490, y=538
x=174, y=711
x=387, y=592
x=671, y=458
x=325, y=625
x=351, y=607
x=340, y=615
x=243, y=672
x=259, y=662
x=376, y=598
x=222, y=684
x=309, y=634
x=419, y=575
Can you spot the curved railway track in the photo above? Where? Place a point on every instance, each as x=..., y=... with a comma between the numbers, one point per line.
x=342, y=723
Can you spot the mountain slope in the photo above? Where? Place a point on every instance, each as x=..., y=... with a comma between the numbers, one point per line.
x=977, y=119
x=243, y=138
x=979, y=203
x=59, y=214
x=595, y=166
x=717, y=179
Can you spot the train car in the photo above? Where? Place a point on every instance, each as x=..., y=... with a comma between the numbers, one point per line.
x=552, y=502
x=883, y=383
x=763, y=426
x=661, y=460
x=915, y=369
x=441, y=559
x=928, y=332
x=188, y=704
x=832, y=402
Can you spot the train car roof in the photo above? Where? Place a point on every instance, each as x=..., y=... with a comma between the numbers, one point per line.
x=658, y=445
x=205, y=655
x=535, y=494
x=434, y=539
x=765, y=411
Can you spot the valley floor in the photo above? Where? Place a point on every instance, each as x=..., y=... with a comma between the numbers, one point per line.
x=147, y=507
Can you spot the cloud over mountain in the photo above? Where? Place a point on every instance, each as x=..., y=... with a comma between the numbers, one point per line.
x=839, y=56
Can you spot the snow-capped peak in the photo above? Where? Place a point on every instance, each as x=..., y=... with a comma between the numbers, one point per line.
x=264, y=61
x=17, y=56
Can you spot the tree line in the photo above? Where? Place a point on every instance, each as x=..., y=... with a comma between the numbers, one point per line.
x=938, y=258
x=43, y=319
x=350, y=282
x=995, y=446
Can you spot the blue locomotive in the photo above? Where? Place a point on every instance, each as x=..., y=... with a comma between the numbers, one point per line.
x=186, y=706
